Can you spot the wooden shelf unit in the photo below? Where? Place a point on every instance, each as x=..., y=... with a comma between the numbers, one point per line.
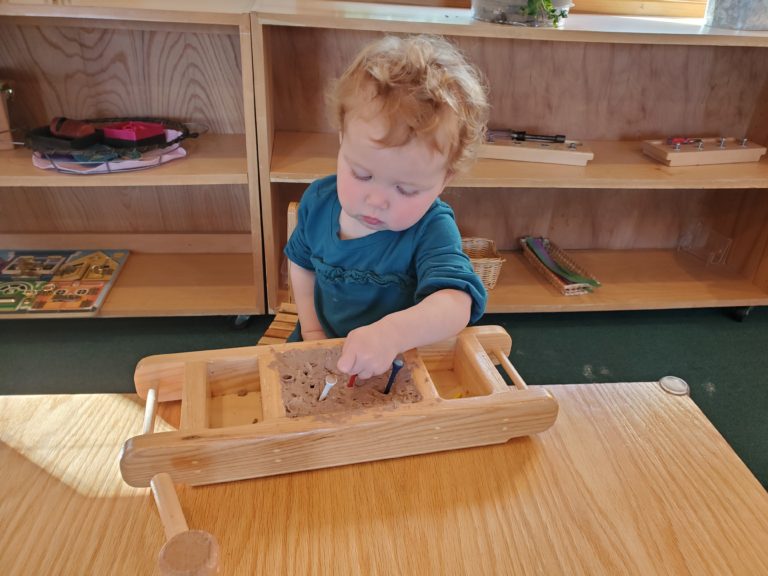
x=610, y=81
x=193, y=225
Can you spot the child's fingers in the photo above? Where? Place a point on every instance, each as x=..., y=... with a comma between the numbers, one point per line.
x=346, y=362
x=350, y=363
x=368, y=368
x=362, y=355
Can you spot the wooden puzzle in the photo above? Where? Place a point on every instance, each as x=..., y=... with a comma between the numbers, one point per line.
x=235, y=421
x=71, y=282
x=701, y=151
x=522, y=147
x=18, y=295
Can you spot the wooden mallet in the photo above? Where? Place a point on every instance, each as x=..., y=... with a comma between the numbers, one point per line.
x=186, y=552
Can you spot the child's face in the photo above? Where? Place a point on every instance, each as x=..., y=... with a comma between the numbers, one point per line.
x=384, y=188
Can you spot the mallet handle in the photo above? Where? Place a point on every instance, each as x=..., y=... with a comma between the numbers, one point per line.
x=168, y=505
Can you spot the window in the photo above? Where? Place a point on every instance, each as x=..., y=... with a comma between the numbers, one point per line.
x=680, y=8
x=676, y=8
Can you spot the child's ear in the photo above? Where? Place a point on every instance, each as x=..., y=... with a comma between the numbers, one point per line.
x=449, y=177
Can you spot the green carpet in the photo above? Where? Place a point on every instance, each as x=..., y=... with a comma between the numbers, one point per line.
x=725, y=362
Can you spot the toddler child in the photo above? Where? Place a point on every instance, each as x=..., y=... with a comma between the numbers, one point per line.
x=376, y=256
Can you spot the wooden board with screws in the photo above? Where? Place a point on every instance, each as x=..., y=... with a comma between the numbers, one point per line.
x=702, y=151
x=570, y=152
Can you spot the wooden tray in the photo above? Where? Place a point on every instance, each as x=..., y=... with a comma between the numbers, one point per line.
x=571, y=153
x=562, y=258
x=711, y=152
x=465, y=402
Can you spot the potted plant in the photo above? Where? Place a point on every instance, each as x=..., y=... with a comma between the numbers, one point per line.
x=522, y=12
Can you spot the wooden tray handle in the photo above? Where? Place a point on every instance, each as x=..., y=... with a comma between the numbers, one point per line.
x=513, y=374
x=150, y=410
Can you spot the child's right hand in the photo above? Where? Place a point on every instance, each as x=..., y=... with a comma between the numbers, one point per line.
x=368, y=351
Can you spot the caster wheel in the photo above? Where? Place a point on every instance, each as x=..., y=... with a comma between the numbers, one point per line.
x=241, y=322
x=740, y=314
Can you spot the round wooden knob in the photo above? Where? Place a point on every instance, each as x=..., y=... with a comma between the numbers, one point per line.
x=190, y=553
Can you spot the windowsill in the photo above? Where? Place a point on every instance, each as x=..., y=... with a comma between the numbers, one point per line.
x=459, y=21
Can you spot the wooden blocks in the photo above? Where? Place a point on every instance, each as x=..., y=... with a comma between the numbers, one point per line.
x=236, y=425
x=702, y=151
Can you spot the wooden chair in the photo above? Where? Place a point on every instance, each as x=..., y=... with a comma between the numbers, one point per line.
x=286, y=318
x=6, y=140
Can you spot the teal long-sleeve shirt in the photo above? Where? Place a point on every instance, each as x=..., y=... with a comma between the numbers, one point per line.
x=361, y=280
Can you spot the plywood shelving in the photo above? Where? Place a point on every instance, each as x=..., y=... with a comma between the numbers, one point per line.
x=212, y=159
x=193, y=225
x=610, y=81
x=258, y=79
x=632, y=280
x=183, y=285
x=306, y=156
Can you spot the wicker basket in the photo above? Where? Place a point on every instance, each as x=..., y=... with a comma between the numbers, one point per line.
x=485, y=259
x=559, y=256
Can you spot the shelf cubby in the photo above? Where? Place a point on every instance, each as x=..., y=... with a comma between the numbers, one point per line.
x=306, y=156
x=631, y=280
x=193, y=225
x=211, y=159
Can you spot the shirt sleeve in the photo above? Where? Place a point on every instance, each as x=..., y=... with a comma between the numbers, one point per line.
x=441, y=264
x=297, y=249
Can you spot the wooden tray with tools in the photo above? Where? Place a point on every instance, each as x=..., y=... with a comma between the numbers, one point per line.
x=562, y=259
x=503, y=145
x=234, y=423
x=703, y=151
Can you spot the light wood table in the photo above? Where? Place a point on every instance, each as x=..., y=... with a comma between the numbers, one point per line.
x=629, y=480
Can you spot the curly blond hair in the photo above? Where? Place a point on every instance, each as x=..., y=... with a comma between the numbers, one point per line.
x=422, y=87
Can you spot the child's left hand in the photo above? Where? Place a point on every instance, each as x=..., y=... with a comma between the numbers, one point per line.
x=368, y=351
